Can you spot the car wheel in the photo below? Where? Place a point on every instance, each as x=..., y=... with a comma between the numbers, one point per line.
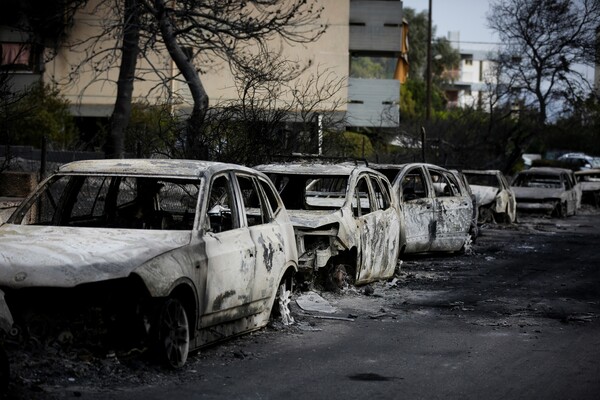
x=173, y=334
x=281, y=306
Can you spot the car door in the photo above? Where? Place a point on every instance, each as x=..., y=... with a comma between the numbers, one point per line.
x=511, y=207
x=230, y=255
x=378, y=224
x=453, y=211
x=417, y=205
x=266, y=235
x=570, y=194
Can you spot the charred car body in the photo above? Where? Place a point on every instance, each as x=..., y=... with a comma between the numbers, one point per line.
x=343, y=215
x=171, y=253
x=436, y=208
x=547, y=190
x=589, y=180
x=495, y=198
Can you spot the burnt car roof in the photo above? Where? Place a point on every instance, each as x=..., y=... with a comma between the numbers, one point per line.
x=545, y=170
x=153, y=167
x=481, y=171
x=588, y=172
x=311, y=168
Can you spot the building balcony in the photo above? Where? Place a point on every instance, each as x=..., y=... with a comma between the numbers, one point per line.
x=375, y=26
x=373, y=103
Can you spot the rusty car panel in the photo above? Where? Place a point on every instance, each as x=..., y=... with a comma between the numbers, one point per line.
x=342, y=215
x=197, y=251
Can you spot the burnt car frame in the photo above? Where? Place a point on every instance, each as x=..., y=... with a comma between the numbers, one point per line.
x=173, y=254
x=344, y=215
x=436, y=208
x=495, y=198
x=589, y=180
x=552, y=191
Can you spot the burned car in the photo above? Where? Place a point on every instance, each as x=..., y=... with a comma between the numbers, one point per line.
x=345, y=220
x=437, y=210
x=589, y=180
x=166, y=254
x=547, y=190
x=495, y=198
x=466, y=188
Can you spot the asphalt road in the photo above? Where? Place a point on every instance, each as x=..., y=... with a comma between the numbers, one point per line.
x=518, y=319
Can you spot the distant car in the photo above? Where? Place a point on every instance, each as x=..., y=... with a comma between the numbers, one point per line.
x=548, y=190
x=580, y=161
x=589, y=180
x=172, y=254
x=495, y=198
x=437, y=209
x=343, y=215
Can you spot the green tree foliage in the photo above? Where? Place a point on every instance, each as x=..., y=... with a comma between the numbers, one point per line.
x=151, y=130
x=412, y=99
x=577, y=132
x=39, y=112
x=444, y=58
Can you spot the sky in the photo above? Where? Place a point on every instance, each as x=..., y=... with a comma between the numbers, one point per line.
x=466, y=16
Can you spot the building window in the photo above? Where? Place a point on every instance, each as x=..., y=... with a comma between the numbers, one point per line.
x=16, y=57
x=468, y=61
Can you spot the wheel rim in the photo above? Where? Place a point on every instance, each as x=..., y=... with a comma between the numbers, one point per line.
x=174, y=334
x=283, y=302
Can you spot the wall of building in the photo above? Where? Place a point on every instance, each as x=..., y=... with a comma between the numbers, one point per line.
x=92, y=92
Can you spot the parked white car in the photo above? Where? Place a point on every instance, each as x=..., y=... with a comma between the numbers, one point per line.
x=345, y=219
x=436, y=208
x=495, y=198
x=173, y=254
x=553, y=191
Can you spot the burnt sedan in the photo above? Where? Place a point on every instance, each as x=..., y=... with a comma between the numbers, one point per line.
x=170, y=254
x=547, y=190
x=495, y=198
x=589, y=180
x=345, y=219
x=436, y=209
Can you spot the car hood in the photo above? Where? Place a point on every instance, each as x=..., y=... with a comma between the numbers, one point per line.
x=484, y=194
x=313, y=219
x=537, y=193
x=65, y=256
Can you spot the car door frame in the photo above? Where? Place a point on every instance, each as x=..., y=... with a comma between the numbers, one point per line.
x=226, y=255
x=379, y=234
x=418, y=214
x=452, y=214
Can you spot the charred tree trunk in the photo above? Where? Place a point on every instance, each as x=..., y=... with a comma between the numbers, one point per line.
x=129, y=54
x=195, y=148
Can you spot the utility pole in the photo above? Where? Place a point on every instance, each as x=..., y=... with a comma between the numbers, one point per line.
x=428, y=88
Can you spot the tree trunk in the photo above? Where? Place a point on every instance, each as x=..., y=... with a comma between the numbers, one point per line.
x=194, y=146
x=129, y=53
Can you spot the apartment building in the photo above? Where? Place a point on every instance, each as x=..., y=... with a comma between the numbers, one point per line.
x=356, y=28
x=472, y=81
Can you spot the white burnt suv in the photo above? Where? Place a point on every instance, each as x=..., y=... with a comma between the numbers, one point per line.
x=345, y=218
x=437, y=208
x=173, y=254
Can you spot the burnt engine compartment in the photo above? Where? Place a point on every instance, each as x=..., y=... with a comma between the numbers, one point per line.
x=101, y=317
